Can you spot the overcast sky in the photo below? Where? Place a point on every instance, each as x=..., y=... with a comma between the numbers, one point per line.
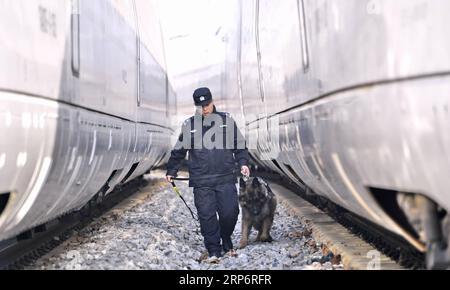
x=193, y=32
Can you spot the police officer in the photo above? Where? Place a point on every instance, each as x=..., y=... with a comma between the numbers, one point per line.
x=212, y=170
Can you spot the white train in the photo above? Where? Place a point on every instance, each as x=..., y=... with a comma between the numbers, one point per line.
x=84, y=104
x=360, y=90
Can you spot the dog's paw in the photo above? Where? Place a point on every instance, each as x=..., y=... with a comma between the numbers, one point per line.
x=203, y=257
x=242, y=245
x=266, y=239
x=232, y=254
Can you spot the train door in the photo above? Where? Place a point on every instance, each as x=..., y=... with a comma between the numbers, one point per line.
x=138, y=55
x=249, y=65
x=282, y=52
x=282, y=58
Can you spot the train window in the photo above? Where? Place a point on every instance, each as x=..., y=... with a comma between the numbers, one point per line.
x=75, y=33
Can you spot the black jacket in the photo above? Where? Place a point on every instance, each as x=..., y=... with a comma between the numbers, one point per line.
x=209, y=166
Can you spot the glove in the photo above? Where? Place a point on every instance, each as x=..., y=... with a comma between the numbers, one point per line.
x=245, y=171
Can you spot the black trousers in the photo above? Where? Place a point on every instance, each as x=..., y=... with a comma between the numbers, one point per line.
x=221, y=201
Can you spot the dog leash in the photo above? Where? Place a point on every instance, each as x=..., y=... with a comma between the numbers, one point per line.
x=178, y=192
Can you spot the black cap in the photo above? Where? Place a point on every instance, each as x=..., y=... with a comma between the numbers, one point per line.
x=202, y=97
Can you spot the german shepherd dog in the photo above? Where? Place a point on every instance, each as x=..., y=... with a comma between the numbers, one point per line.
x=258, y=205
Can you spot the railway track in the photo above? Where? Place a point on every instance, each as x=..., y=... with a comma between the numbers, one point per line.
x=25, y=249
x=389, y=244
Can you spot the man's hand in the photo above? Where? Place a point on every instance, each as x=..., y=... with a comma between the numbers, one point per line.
x=169, y=178
x=245, y=171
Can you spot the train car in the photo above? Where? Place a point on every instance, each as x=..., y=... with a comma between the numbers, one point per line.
x=85, y=104
x=349, y=99
x=359, y=92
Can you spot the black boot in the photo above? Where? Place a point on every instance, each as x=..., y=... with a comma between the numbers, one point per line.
x=227, y=245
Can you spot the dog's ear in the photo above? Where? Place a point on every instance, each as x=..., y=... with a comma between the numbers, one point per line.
x=241, y=183
x=255, y=182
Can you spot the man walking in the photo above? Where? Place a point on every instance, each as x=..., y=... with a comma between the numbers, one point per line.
x=214, y=146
